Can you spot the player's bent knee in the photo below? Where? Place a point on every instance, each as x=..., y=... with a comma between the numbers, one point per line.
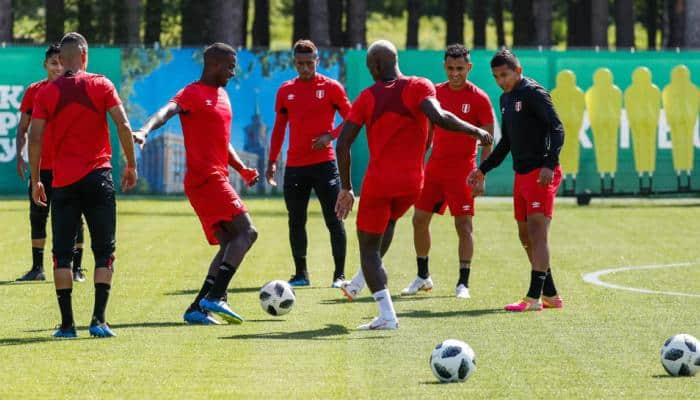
x=104, y=261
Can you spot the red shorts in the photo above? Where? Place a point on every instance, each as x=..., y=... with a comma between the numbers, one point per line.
x=437, y=195
x=375, y=211
x=215, y=201
x=531, y=198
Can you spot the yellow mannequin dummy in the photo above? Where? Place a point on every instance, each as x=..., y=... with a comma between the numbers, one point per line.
x=643, y=105
x=680, y=98
x=604, y=105
x=569, y=102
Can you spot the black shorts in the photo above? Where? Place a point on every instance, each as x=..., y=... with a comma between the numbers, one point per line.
x=38, y=215
x=93, y=197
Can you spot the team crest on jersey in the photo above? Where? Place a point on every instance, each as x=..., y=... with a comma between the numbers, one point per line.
x=208, y=102
x=518, y=106
x=466, y=107
x=290, y=96
x=320, y=93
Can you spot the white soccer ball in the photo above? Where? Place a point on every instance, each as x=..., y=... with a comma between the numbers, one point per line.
x=680, y=355
x=277, y=297
x=452, y=361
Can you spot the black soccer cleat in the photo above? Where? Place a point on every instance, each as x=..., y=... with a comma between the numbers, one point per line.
x=34, y=274
x=78, y=275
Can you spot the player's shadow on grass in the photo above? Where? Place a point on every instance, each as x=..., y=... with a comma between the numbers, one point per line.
x=447, y=314
x=370, y=299
x=34, y=340
x=18, y=283
x=189, y=292
x=330, y=331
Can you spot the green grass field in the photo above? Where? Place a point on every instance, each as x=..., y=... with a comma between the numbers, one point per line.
x=604, y=344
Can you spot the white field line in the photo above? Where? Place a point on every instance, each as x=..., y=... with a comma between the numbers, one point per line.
x=594, y=278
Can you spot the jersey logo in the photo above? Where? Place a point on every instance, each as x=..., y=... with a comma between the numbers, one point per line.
x=518, y=106
x=536, y=204
x=465, y=108
x=208, y=102
x=320, y=94
x=290, y=96
x=237, y=203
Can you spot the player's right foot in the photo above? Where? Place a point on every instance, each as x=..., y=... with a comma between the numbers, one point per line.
x=350, y=290
x=462, y=292
x=418, y=284
x=65, y=333
x=552, y=302
x=101, y=330
x=34, y=274
x=526, y=304
x=379, y=323
x=222, y=309
x=299, y=281
x=197, y=316
x=337, y=282
x=78, y=275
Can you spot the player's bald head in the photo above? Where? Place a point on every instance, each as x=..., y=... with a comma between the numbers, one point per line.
x=217, y=53
x=381, y=57
x=73, y=46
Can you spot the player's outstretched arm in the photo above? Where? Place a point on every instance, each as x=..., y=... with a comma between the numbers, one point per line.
x=36, y=134
x=155, y=121
x=249, y=175
x=445, y=119
x=20, y=142
x=129, y=175
x=346, y=197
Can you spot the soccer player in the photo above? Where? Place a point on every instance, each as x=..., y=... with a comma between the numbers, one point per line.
x=205, y=114
x=396, y=111
x=75, y=107
x=452, y=159
x=308, y=104
x=534, y=135
x=38, y=216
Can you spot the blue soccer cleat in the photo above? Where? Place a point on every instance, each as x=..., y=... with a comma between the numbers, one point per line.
x=222, y=309
x=101, y=330
x=298, y=281
x=65, y=333
x=199, y=317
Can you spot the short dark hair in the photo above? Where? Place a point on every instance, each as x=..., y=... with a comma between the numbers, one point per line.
x=215, y=51
x=74, y=38
x=457, y=50
x=304, y=46
x=505, y=57
x=51, y=50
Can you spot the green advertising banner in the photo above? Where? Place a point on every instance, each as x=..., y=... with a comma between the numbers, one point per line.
x=624, y=135
x=23, y=66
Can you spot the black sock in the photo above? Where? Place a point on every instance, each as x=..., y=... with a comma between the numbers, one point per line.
x=66, y=307
x=537, y=279
x=549, y=289
x=101, y=297
x=300, y=265
x=77, y=258
x=423, y=267
x=464, y=269
x=223, y=278
x=38, y=258
x=206, y=287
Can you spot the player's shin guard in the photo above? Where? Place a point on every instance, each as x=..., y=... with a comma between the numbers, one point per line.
x=223, y=278
x=101, y=297
x=549, y=289
x=66, y=306
x=537, y=279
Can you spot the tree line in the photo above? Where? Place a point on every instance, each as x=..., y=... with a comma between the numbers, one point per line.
x=343, y=23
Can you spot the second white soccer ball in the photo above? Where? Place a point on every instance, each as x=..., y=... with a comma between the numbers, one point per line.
x=680, y=355
x=453, y=361
x=277, y=297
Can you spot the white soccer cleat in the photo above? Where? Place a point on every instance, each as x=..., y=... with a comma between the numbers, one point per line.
x=379, y=324
x=418, y=284
x=350, y=290
x=462, y=292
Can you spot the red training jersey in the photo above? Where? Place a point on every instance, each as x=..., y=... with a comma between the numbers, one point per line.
x=310, y=109
x=454, y=154
x=206, y=126
x=397, y=132
x=75, y=106
x=26, y=107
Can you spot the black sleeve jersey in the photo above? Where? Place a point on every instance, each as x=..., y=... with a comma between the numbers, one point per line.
x=530, y=129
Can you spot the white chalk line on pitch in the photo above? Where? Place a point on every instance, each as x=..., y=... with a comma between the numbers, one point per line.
x=594, y=278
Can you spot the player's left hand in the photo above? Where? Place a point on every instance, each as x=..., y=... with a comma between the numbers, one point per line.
x=343, y=205
x=39, y=194
x=479, y=189
x=475, y=178
x=250, y=176
x=139, y=138
x=320, y=142
x=546, y=176
x=129, y=178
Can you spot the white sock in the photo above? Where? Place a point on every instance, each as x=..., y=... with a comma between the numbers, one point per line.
x=386, y=306
x=358, y=280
